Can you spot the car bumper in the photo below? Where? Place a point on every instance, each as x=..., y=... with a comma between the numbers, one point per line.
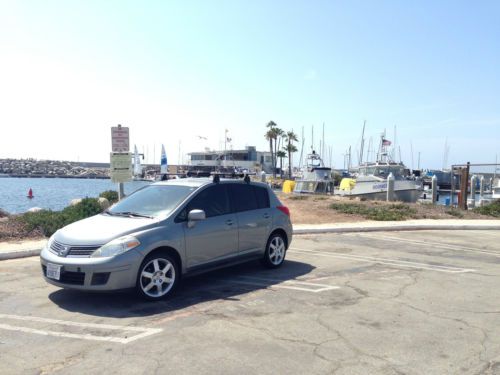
x=99, y=274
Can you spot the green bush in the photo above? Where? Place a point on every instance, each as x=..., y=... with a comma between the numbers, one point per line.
x=110, y=195
x=492, y=209
x=298, y=197
x=50, y=221
x=455, y=212
x=396, y=211
x=337, y=178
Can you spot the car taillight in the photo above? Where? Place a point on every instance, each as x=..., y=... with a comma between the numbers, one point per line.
x=284, y=209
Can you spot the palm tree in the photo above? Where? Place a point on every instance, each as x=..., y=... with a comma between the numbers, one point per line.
x=290, y=137
x=281, y=154
x=278, y=135
x=270, y=136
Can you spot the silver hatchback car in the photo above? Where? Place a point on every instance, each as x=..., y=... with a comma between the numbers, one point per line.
x=150, y=239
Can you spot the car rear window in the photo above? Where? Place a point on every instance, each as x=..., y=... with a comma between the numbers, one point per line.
x=262, y=196
x=248, y=197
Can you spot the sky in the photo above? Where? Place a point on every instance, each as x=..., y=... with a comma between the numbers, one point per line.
x=177, y=72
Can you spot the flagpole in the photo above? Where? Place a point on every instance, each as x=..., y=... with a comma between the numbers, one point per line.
x=225, y=145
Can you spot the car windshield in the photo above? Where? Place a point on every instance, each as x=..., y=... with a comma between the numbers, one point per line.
x=151, y=201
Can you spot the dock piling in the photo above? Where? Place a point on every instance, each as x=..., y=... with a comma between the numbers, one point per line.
x=434, y=189
x=473, y=191
x=390, y=187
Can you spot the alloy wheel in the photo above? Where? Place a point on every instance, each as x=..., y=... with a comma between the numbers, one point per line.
x=157, y=277
x=276, y=250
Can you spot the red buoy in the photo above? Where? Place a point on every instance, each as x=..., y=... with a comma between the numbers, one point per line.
x=30, y=194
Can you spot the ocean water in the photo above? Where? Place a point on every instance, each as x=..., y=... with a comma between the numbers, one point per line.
x=53, y=193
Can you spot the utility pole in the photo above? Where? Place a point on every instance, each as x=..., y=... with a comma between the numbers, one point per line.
x=464, y=182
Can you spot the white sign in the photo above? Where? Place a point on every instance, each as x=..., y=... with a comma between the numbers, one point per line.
x=121, y=167
x=120, y=139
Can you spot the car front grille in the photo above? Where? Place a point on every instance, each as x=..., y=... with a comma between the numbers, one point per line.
x=72, y=251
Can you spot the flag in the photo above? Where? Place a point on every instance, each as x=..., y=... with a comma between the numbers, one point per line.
x=386, y=142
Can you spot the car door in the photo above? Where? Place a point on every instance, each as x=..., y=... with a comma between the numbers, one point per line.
x=251, y=204
x=216, y=237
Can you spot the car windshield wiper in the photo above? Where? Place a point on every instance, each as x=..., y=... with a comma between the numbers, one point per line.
x=129, y=213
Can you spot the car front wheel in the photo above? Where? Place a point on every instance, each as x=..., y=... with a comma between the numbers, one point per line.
x=157, y=277
x=275, y=251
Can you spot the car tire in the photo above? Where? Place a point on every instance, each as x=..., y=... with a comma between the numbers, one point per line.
x=157, y=277
x=274, y=255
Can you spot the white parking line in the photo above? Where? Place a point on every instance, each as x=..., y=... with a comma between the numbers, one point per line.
x=141, y=332
x=390, y=262
x=433, y=244
x=302, y=286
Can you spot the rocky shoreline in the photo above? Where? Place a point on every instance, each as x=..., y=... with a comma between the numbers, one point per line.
x=52, y=169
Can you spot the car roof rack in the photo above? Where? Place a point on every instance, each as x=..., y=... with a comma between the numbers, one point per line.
x=218, y=175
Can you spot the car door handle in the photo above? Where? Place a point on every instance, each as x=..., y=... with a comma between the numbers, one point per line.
x=229, y=222
x=266, y=216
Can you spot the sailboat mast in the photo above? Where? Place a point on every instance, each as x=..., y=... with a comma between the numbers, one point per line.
x=349, y=163
x=323, y=143
x=411, y=150
x=370, y=149
x=302, y=148
x=361, y=151
x=312, y=138
x=393, y=153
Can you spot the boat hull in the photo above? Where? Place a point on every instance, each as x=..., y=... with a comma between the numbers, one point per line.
x=405, y=191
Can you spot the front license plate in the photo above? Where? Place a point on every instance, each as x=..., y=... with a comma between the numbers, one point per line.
x=53, y=271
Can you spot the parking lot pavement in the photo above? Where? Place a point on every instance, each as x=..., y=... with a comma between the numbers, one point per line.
x=421, y=302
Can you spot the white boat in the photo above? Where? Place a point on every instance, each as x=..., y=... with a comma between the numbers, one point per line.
x=370, y=179
x=495, y=189
x=315, y=177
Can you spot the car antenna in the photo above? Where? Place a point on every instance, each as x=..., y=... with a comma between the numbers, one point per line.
x=247, y=179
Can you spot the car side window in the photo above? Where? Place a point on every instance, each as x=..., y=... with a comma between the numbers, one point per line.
x=243, y=197
x=213, y=200
x=262, y=197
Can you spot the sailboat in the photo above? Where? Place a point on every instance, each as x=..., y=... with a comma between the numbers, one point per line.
x=163, y=164
x=137, y=165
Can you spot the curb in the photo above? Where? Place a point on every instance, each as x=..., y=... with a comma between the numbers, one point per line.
x=381, y=228
x=396, y=228
x=20, y=254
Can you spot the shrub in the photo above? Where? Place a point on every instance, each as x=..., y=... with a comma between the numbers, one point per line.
x=50, y=221
x=396, y=211
x=110, y=195
x=492, y=209
x=298, y=197
x=86, y=208
x=455, y=212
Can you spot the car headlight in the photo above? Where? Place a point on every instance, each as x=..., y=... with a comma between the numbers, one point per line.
x=116, y=247
x=49, y=242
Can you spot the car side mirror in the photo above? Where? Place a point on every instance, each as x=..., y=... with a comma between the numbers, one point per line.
x=194, y=216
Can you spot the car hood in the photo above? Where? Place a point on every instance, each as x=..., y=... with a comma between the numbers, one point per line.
x=100, y=229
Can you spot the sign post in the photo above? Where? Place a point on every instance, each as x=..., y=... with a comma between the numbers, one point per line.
x=120, y=158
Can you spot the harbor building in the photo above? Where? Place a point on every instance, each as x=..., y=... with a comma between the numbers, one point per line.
x=248, y=159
